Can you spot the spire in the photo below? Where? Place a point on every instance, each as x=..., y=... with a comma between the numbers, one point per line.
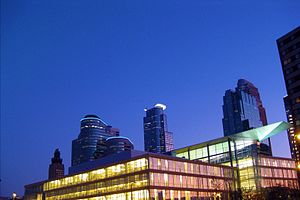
x=56, y=158
x=56, y=168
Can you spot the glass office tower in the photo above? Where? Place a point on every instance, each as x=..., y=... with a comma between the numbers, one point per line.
x=92, y=129
x=157, y=138
x=249, y=88
x=256, y=168
x=242, y=109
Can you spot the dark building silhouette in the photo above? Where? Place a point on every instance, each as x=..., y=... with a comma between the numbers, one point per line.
x=56, y=168
x=157, y=138
x=242, y=109
x=289, y=52
x=92, y=129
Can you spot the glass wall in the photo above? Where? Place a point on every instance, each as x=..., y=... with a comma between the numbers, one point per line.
x=167, y=194
x=99, y=181
x=101, y=187
x=193, y=180
x=254, y=168
x=277, y=172
x=153, y=177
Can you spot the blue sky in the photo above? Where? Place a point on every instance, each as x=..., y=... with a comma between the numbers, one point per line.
x=62, y=60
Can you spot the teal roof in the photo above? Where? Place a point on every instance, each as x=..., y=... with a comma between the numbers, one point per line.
x=263, y=132
x=257, y=134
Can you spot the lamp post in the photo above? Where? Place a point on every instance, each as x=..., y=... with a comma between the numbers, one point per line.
x=14, y=196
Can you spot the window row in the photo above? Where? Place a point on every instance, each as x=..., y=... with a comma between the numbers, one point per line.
x=170, y=180
x=277, y=182
x=115, y=170
x=115, y=185
x=187, y=167
x=278, y=173
x=273, y=162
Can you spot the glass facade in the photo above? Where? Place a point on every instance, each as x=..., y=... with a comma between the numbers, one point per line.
x=277, y=172
x=250, y=157
x=92, y=131
x=241, y=109
x=174, y=179
x=154, y=177
x=157, y=138
x=249, y=88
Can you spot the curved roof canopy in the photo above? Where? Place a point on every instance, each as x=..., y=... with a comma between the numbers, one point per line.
x=263, y=132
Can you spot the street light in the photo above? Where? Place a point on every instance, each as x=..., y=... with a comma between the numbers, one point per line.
x=14, y=195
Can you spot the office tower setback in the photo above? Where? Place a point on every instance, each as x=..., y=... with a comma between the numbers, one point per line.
x=242, y=109
x=289, y=52
x=92, y=131
x=157, y=138
x=118, y=144
x=112, y=145
x=56, y=168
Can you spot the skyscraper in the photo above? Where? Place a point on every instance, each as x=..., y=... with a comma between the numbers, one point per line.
x=249, y=88
x=157, y=138
x=289, y=52
x=242, y=108
x=92, y=129
x=56, y=168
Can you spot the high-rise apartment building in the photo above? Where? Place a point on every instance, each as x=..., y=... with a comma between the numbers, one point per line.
x=56, y=168
x=92, y=130
x=157, y=138
x=289, y=52
x=242, y=109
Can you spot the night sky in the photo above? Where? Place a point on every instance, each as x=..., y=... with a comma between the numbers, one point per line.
x=63, y=60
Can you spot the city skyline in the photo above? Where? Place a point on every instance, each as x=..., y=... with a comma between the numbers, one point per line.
x=63, y=61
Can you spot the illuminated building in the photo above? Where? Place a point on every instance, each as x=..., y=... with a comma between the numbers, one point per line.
x=157, y=138
x=245, y=151
x=289, y=52
x=92, y=129
x=144, y=177
x=56, y=168
x=216, y=168
x=241, y=109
